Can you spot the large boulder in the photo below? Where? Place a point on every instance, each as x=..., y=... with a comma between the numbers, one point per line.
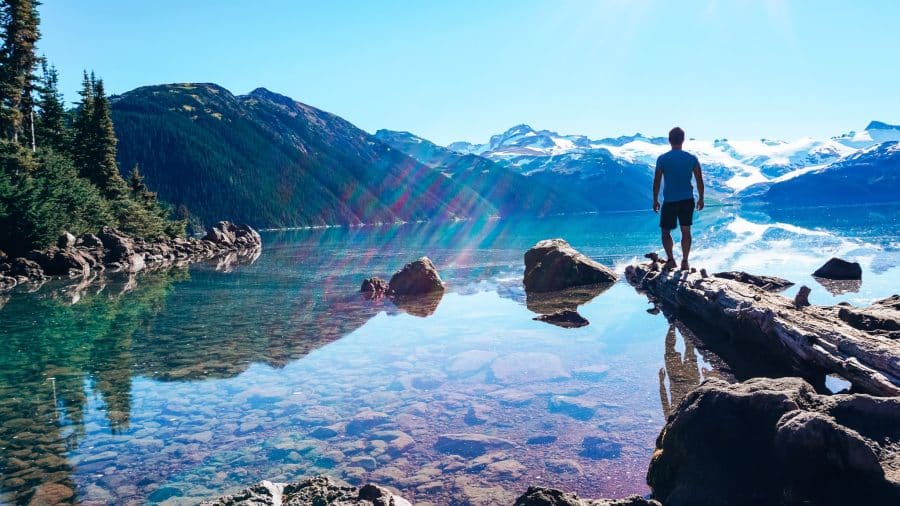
x=227, y=234
x=320, y=490
x=119, y=247
x=775, y=441
x=416, y=278
x=553, y=264
x=57, y=262
x=541, y=496
x=66, y=240
x=25, y=268
x=837, y=268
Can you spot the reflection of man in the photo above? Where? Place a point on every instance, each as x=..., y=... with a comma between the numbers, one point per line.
x=684, y=375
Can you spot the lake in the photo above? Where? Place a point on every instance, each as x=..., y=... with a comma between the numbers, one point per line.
x=177, y=386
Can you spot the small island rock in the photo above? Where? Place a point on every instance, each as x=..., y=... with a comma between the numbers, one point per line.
x=837, y=268
x=553, y=264
x=416, y=278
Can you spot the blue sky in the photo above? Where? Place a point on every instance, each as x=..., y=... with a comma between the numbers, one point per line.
x=463, y=70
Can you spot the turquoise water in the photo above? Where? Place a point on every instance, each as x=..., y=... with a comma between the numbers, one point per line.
x=177, y=386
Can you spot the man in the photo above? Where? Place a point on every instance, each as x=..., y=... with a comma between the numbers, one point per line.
x=675, y=168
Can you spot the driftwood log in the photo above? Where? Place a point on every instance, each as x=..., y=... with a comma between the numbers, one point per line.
x=813, y=338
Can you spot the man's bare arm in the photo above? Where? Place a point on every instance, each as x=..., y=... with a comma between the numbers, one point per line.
x=698, y=175
x=657, y=181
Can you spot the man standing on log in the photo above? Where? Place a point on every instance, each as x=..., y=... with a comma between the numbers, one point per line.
x=676, y=168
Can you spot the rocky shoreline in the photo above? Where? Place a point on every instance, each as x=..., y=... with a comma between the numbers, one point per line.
x=81, y=258
x=325, y=490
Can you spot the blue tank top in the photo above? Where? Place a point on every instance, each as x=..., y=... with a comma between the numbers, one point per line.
x=677, y=167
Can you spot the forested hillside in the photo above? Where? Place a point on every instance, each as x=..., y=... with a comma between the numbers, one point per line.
x=267, y=160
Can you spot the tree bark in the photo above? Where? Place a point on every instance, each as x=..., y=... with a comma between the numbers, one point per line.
x=812, y=337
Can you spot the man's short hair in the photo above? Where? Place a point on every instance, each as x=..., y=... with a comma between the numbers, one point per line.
x=676, y=136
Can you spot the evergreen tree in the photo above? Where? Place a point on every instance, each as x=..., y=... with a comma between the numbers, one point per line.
x=104, y=171
x=19, y=19
x=83, y=138
x=50, y=125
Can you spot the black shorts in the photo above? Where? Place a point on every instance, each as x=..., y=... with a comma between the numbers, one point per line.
x=680, y=211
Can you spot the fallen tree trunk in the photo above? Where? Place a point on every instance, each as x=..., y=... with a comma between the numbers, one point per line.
x=811, y=337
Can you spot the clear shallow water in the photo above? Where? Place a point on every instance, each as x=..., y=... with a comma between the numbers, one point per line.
x=172, y=387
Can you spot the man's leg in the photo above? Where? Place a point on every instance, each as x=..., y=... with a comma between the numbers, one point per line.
x=685, y=246
x=668, y=244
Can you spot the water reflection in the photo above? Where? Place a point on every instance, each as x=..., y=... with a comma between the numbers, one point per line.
x=183, y=386
x=51, y=362
x=569, y=299
x=419, y=305
x=681, y=371
x=840, y=286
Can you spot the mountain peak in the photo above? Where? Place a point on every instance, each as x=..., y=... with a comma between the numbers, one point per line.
x=879, y=125
x=519, y=129
x=266, y=94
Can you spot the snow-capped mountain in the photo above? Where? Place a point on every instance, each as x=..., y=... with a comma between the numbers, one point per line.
x=729, y=165
x=870, y=175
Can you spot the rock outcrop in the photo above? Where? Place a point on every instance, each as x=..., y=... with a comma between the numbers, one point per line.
x=813, y=338
x=113, y=250
x=837, y=268
x=882, y=317
x=768, y=283
x=775, y=441
x=553, y=264
x=416, y=278
x=542, y=496
x=374, y=286
x=319, y=491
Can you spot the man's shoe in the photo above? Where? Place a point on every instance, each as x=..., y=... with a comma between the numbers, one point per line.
x=670, y=264
x=685, y=266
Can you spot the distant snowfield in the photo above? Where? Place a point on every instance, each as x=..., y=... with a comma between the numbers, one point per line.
x=730, y=165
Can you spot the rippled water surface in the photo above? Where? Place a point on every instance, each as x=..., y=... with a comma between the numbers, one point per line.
x=177, y=386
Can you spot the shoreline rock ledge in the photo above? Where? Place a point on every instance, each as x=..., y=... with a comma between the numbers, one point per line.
x=776, y=441
x=553, y=264
x=113, y=250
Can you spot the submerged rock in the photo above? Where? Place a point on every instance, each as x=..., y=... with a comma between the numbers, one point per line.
x=553, y=264
x=319, y=491
x=542, y=496
x=566, y=319
x=837, y=268
x=415, y=278
x=470, y=445
x=775, y=441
